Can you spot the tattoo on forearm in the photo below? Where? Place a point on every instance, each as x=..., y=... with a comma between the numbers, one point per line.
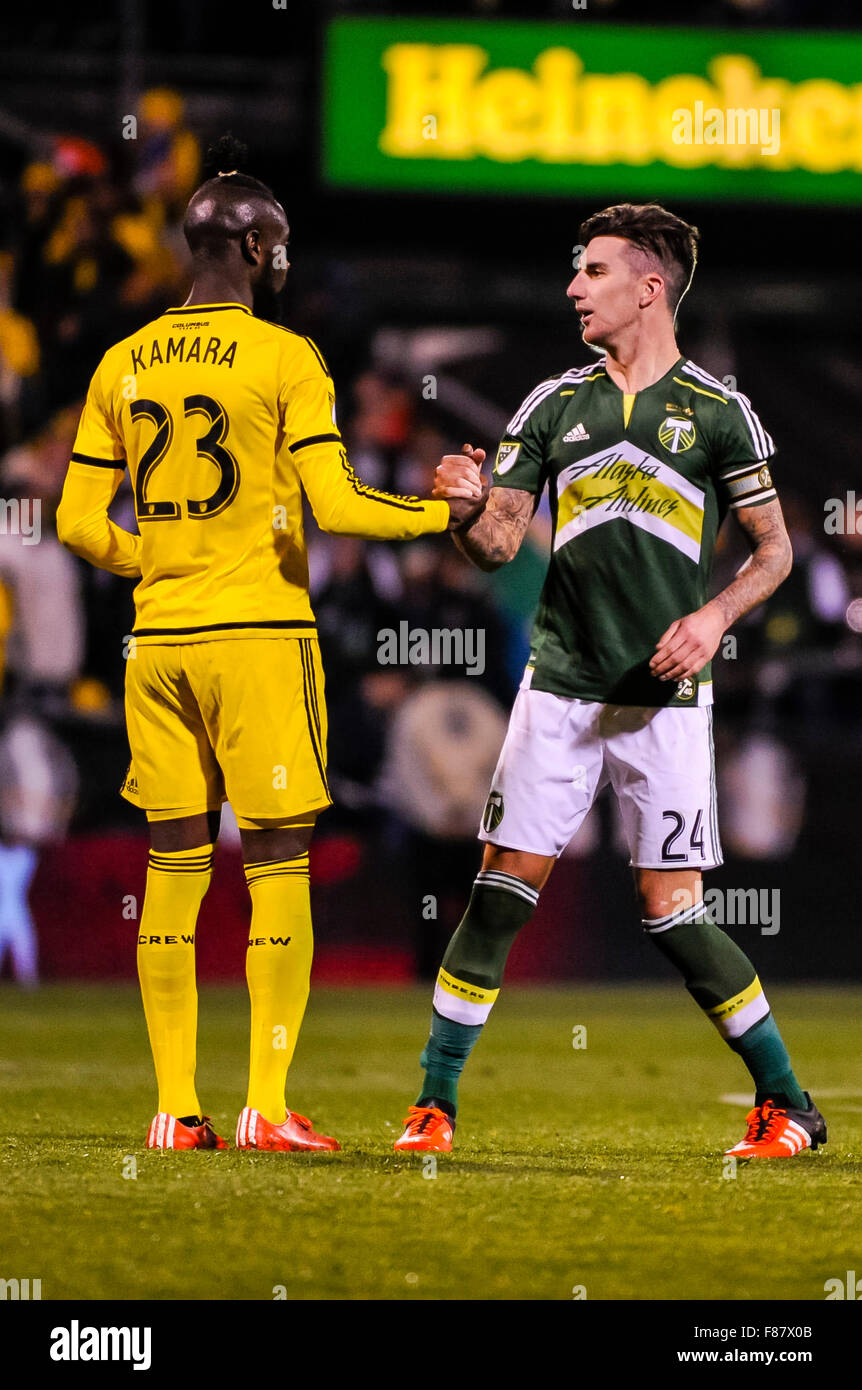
x=767, y=566
x=495, y=537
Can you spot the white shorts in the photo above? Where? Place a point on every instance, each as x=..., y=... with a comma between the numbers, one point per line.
x=559, y=753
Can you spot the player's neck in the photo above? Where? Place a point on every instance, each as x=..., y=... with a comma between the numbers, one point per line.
x=218, y=288
x=640, y=361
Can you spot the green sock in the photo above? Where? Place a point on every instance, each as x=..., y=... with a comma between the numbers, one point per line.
x=470, y=977
x=763, y=1052
x=722, y=980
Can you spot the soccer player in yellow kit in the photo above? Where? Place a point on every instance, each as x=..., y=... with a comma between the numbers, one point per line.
x=223, y=419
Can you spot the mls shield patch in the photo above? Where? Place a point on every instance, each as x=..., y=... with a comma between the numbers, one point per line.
x=506, y=457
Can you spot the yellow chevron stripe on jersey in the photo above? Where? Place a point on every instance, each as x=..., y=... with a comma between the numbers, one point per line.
x=624, y=483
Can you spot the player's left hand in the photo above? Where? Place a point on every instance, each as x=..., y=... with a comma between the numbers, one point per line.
x=460, y=475
x=687, y=645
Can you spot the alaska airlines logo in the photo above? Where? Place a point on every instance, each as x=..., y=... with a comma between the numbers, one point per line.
x=676, y=434
x=626, y=483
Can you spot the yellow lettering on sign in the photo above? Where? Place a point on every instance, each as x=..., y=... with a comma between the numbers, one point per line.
x=428, y=80
x=734, y=118
x=821, y=126
x=616, y=113
x=558, y=70
x=505, y=115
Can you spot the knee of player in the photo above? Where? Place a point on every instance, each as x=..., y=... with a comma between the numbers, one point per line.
x=664, y=893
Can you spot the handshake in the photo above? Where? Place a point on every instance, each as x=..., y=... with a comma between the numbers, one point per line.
x=458, y=481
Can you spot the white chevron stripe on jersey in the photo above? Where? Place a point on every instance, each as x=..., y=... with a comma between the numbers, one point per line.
x=763, y=443
x=654, y=525
x=546, y=388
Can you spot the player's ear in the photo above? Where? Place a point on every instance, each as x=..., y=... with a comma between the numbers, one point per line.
x=250, y=246
x=652, y=288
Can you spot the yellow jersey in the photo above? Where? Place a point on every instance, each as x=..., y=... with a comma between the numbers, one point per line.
x=222, y=419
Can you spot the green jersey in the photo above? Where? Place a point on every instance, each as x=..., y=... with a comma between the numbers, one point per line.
x=638, y=485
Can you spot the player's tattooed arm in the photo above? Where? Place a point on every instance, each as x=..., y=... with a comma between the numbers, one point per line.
x=491, y=534
x=692, y=641
x=495, y=537
x=767, y=566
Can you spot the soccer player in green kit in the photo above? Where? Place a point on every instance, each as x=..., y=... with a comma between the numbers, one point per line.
x=643, y=454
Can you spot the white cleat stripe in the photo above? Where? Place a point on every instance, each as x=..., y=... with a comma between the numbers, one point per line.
x=801, y=1133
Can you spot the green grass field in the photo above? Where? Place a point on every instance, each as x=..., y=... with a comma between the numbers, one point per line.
x=599, y=1167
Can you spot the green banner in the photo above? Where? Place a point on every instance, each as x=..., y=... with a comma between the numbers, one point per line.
x=587, y=107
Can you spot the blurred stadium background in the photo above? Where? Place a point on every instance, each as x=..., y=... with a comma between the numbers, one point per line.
x=434, y=284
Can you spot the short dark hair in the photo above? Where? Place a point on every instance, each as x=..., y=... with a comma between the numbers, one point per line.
x=224, y=207
x=659, y=234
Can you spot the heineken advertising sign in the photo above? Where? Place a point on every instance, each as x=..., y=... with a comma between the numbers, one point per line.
x=586, y=107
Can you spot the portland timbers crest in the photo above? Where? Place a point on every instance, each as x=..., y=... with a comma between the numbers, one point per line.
x=493, y=811
x=677, y=434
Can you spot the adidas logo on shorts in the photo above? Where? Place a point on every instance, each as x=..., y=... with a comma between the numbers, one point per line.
x=577, y=435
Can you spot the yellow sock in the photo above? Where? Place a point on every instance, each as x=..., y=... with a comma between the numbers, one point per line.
x=176, y=884
x=278, y=967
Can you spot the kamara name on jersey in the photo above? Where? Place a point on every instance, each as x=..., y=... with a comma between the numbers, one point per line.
x=182, y=350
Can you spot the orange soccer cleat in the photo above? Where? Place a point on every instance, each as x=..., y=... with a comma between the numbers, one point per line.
x=776, y=1131
x=293, y=1135
x=428, y=1130
x=167, y=1132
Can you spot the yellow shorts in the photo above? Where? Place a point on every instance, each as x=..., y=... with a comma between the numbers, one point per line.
x=239, y=720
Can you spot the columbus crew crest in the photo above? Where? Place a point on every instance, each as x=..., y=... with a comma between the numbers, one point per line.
x=677, y=434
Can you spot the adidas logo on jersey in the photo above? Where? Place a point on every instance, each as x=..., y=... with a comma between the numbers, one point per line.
x=577, y=435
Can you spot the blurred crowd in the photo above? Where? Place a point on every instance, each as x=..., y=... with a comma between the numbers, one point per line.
x=91, y=247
